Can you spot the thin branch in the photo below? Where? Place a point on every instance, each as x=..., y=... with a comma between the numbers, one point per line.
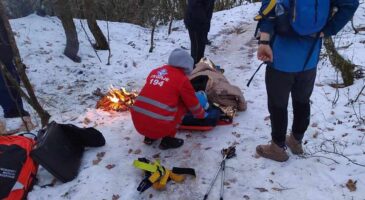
x=109, y=50
x=88, y=38
x=358, y=95
x=318, y=156
x=353, y=26
x=339, y=154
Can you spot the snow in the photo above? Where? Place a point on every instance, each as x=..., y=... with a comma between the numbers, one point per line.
x=65, y=90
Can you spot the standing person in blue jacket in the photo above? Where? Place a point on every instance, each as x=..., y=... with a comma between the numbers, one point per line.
x=197, y=20
x=290, y=42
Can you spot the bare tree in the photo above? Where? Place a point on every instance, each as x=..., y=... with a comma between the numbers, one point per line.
x=89, y=12
x=344, y=66
x=63, y=12
x=28, y=94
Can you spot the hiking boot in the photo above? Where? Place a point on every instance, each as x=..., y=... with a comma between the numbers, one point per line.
x=272, y=151
x=148, y=141
x=294, y=145
x=170, y=143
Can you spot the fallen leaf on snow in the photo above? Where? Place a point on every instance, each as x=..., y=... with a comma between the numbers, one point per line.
x=95, y=162
x=279, y=189
x=351, y=185
x=110, y=166
x=138, y=151
x=87, y=121
x=262, y=189
x=314, y=125
x=99, y=157
x=100, y=154
x=345, y=134
x=267, y=118
x=115, y=197
x=315, y=135
x=157, y=155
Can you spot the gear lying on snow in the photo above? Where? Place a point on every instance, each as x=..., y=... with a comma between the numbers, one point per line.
x=228, y=153
x=67, y=143
x=157, y=175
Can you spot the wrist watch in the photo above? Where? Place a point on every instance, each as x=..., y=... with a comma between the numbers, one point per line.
x=264, y=42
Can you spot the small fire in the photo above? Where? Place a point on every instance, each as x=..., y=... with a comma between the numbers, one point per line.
x=117, y=99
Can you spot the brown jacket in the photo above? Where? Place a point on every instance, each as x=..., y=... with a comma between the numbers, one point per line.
x=218, y=89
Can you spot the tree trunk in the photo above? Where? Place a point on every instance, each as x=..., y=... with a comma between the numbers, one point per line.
x=63, y=12
x=101, y=42
x=152, y=36
x=170, y=24
x=344, y=66
x=29, y=94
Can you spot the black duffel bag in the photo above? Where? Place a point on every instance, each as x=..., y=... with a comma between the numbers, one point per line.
x=60, y=147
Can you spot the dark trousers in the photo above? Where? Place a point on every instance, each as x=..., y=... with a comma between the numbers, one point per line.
x=279, y=85
x=10, y=99
x=197, y=44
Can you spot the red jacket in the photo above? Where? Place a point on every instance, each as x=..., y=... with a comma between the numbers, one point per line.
x=163, y=102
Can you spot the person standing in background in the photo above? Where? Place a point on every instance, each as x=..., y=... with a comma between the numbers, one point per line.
x=10, y=100
x=197, y=20
x=210, y=15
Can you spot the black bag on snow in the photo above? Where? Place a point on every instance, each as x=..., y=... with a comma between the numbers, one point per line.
x=60, y=148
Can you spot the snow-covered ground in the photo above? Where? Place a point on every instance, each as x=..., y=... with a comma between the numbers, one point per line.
x=65, y=89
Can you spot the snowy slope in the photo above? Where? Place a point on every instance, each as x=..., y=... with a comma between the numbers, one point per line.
x=65, y=89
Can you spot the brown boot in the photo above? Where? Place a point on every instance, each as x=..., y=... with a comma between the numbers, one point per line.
x=272, y=151
x=294, y=145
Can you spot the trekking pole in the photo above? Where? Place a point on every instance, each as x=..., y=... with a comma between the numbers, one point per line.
x=227, y=154
x=213, y=181
x=254, y=74
x=222, y=182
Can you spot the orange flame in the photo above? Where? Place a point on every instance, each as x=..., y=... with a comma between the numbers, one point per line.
x=117, y=100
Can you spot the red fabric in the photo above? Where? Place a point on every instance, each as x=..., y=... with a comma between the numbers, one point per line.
x=29, y=169
x=174, y=89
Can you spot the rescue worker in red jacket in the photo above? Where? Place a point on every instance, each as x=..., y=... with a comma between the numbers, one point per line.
x=163, y=101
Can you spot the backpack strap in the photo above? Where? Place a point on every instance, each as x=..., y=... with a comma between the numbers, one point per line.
x=263, y=13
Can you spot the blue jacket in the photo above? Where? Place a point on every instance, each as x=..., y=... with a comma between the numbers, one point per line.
x=290, y=52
